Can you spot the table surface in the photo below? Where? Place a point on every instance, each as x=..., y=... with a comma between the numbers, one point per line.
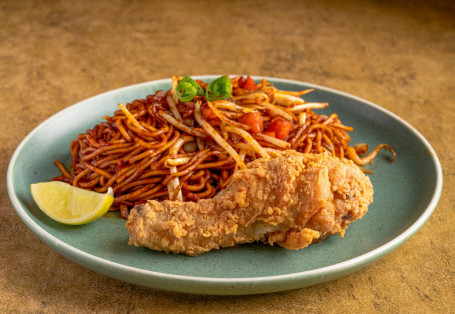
x=398, y=54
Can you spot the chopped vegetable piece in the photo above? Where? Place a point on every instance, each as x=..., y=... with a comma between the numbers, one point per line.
x=214, y=122
x=187, y=89
x=207, y=112
x=247, y=83
x=280, y=126
x=219, y=89
x=253, y=120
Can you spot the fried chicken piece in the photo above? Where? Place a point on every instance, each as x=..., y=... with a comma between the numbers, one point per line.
x=292, y=199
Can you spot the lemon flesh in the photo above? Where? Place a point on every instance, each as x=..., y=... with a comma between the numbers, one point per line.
x=70, y=205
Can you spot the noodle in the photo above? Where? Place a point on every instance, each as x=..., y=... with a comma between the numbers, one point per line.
x=163, y=148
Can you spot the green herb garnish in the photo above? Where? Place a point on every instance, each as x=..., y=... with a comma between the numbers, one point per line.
x=188, y=88
x=219, y=89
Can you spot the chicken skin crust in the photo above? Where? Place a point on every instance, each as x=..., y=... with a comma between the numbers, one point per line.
x=292, y=200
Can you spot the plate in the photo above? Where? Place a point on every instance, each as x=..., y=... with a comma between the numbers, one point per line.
x=406, y=193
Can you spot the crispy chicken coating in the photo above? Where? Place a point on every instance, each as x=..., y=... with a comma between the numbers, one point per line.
x=292, y=200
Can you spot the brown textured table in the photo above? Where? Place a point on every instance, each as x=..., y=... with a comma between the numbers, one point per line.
x=398, y=54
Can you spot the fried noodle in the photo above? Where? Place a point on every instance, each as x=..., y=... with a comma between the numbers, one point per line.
x=161, y=148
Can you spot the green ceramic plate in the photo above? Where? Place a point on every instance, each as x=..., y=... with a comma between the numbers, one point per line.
x=406, y=193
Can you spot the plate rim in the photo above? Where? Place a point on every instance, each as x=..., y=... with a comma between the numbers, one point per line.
x=244, y=285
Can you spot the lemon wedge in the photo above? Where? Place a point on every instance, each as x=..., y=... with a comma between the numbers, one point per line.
x=70, y=205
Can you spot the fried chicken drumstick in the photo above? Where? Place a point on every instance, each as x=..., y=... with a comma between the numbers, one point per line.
x=292, y=200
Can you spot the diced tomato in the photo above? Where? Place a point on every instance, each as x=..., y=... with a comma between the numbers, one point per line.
x=280, y=126
x=208, y=113
x=250, y=84
x=247, y=83
x=214, y=122
x=253, y=120
x=241, y=82
x=271, y=134
x=210, y=116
